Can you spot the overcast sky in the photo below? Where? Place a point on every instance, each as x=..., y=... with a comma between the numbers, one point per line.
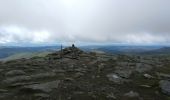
x=84, y=21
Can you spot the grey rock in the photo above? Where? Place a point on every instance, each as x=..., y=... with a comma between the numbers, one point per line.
x=59, y=71
x=116, y=79
x=101, y=67
x=132, y=94
x=80, y=70
x=165, y=86
x=78, y=92
x=15, y=73
x=78, y=74
x=122, y=64
x=145, y=86
x=111, y=96
x=43, y=87
x=16, y=79
x=68, y=79
x=143, y=67
x=1, y=70
x=3, y=90
x=43, y=75
x=3, y=96
x=22, y=84
x=163, y=76
x=42, y=95
x=148, y=76
x=124, y=73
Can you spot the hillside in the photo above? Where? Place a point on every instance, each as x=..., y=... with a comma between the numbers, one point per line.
x=9, y=51
x=26, y=55
x=73, y=74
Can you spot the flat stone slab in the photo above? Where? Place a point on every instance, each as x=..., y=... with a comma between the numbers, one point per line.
x=16, y=79
x=15, y=73
x=43, y=75
x=43, y=87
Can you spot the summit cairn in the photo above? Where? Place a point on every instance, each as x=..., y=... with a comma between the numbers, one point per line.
x=70, y=52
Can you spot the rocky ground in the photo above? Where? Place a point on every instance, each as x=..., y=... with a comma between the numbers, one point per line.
x=77, y=75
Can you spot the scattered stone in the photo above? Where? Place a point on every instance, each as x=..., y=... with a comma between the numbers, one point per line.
x=98, y=76
x=59, y=71
x=132, y=94
x=101, y=67
x=84, y=76
x=140, y=67
x=78, y=92
x=42, y=95
x=84, y=65
x=3, y=96
x=116, y=79
x=3, y=90
x=80, y=70
x=165, y=86
x=22, y=84
x=1, y=70
x=43, y=75
x=145, y=86
x=43, y=87
x=122, y=64
x=93, y=62
x=71, y=66
x=124, y=73
x=78, y=74
x=111, y=96
x=69, y=79
x=163, y=76
x=16, y=79
x=148, y=76
x=15, y=73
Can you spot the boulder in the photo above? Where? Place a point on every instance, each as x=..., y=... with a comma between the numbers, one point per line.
x=165, y=86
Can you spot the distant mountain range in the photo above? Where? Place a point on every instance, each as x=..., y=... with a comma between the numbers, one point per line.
x=9, y=53
x=160, y=51
x=124, y=49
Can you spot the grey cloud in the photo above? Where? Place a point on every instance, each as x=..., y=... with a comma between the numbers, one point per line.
x=114, y=21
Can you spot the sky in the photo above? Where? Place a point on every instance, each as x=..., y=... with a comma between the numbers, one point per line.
x=35, y=22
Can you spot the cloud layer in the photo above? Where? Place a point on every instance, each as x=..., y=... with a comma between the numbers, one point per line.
x=99, y=21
